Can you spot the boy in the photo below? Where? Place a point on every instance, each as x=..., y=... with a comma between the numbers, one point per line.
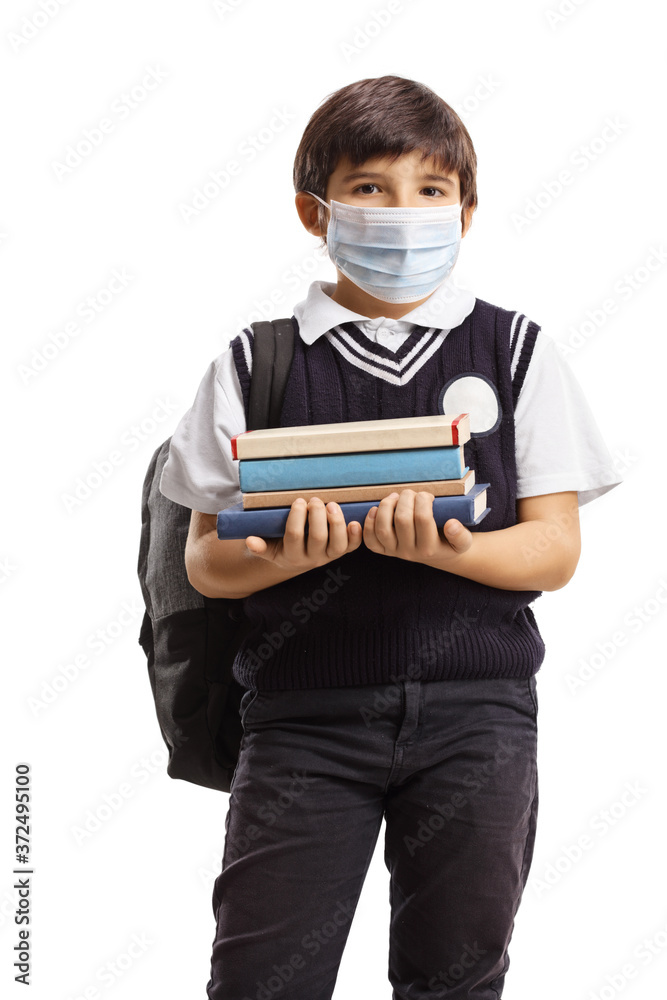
x=403, y=685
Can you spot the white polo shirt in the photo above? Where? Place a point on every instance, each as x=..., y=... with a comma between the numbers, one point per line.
x=558, y=443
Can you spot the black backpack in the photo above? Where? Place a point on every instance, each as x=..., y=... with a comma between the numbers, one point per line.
x=191, y=640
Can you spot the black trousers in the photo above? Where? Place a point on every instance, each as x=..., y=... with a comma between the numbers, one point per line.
x=450, y=765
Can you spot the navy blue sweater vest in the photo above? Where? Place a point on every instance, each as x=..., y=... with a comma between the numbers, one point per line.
x=368, y=618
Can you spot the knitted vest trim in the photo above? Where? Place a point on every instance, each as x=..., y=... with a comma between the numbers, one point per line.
x=397, y=367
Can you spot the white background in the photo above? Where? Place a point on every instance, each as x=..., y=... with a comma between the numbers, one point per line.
x=535, y=90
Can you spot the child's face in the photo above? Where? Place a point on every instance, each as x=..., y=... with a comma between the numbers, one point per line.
x=407, y=182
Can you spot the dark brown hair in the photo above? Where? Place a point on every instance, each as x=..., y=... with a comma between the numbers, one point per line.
x=383, y=116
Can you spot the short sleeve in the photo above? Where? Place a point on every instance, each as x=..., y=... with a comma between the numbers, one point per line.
x=200, y=472
x=559, y=445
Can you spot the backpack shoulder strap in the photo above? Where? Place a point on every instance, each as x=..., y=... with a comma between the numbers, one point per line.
x=272, y=353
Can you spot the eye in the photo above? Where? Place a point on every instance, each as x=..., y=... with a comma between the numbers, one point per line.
x=429, y=191
x=367, y=185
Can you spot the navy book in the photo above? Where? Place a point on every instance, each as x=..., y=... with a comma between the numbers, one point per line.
x=269, y=522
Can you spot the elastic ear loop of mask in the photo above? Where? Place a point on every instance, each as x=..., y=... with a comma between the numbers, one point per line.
x=325, y=205
x=322, y=202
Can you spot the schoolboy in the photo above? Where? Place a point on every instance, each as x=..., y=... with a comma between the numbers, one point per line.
x=408, y=692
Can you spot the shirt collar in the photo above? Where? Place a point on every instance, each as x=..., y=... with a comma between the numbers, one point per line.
x=444, y=309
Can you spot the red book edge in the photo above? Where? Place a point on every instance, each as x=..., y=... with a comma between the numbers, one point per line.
x=233, y=442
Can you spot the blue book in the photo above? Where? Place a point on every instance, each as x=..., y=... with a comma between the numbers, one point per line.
x=269, y=522
x=361, y=468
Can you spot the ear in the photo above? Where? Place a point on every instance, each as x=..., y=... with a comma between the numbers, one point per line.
x=467, y=218
x=308, y=209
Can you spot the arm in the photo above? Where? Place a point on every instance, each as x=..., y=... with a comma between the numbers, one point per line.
x=228, y=568
x=238, y=567
x=540, y=552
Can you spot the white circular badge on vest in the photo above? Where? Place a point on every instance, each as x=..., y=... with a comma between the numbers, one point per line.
x=474, y=394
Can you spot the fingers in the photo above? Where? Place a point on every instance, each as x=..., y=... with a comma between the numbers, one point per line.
x=318, y=529
x=407, y=520
x=402, y=524
x=256, y=545
x=399, y=525
x=294, y=543
x=328, y=534
x=354, y=535
x=380, y=525
x=329, y=537
x=458, y=536
x=342, y=537
x=426, y=530
x=404, y=521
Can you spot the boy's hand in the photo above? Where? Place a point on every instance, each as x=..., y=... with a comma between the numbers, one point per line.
x=329, y=537
x=413, y=535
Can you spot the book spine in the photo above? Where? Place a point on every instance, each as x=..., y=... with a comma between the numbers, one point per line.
x=350, y=494
x=364, y=468
x=235, y=522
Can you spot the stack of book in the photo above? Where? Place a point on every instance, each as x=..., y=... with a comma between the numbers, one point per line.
x=356, y=464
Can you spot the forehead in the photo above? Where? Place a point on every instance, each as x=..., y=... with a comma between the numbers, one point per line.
x=407, y=166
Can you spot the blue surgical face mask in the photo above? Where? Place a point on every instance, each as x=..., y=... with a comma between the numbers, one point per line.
x=394, y=254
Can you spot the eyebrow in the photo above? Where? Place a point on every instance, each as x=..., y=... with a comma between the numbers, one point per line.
x=356, y=174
